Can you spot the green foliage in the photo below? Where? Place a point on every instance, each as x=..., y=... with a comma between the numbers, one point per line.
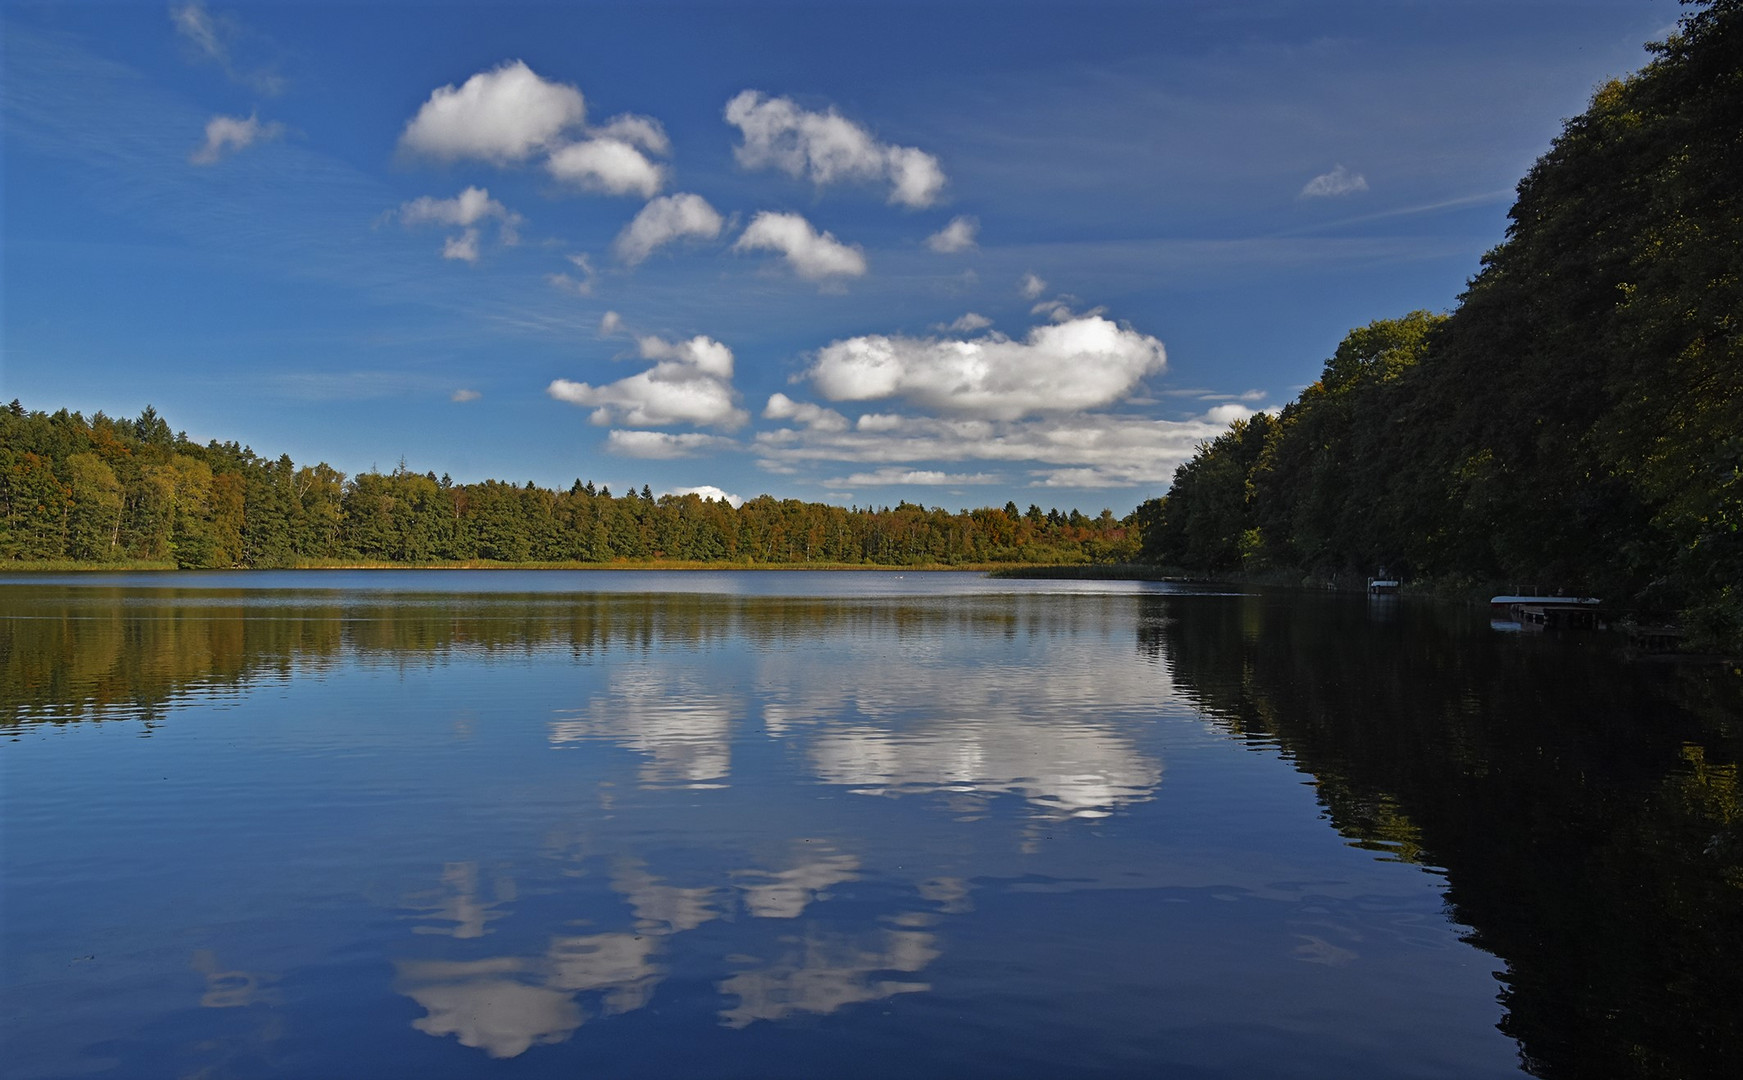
x=99, y=490
x=1576, y=424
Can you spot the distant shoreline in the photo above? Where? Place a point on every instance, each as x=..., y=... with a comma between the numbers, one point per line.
x=65, y=567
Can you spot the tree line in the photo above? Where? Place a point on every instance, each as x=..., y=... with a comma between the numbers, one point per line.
x=106, y=490
x=1574, y=425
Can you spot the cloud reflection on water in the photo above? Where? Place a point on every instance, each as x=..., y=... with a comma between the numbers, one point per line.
x=822, y=972
x=505, y=1005
x=925, y=721
x=684, y=730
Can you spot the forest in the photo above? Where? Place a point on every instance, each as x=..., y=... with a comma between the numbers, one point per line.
x=1574, y=425
x=104, y=490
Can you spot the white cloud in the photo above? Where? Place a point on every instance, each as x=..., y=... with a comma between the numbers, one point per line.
x=503, y=115
x=710, y=493
x=581, y=286
x=463, y=246
x=462, y=396
x=640, y=131
x=467, y=208
x=782, y=407
x=813, y=255
x=193, y=22
x=879, y=421
x=568, y=284
x=665, y=220
x=707, y=355
x=612, y=166
x=213, y=38
x=610, y=323
x=827, y=147
x=227, y=134
x=664, y=445
x=1059, y=309
x=1228, y=414
x=1340, y=181
x=1085, y=450
x=1031, y=286
x=1083, y=363
x=954, y=237
x=888, y=477
x=690, y=384
x=966, y=324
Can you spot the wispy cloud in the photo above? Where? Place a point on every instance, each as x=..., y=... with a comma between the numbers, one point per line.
x=1340, y=181
x=897, y=477
x=227, y=135
x=966, y=323
x=958, y=236
x=214, y=38
x=1086, y=450
x=665, y=445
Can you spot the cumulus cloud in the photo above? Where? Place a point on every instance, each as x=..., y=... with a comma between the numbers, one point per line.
x=466, y=210
x=664, y=220
x=691, y=383
x=782, y=407
x=213, y=39
x=609, y=165
x=1227, y=414
x=462, y=396
x=813, y=255
x=889, y=477
x=1082, y=363
x=610, y=323
x=710, y=493
x=664, y=445
x=1031, y=286
x=954, y=237
x=226, y=135
x=1340, y=181
x=510, y=113
x=827, y=147
x=502, y=115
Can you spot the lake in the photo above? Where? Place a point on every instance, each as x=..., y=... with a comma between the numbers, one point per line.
x=762, y=824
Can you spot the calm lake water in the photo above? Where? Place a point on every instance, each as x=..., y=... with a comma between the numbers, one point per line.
x=431, y=824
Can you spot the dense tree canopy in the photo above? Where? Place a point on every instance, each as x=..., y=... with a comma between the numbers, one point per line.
x=104, y=490
x=1576, y=424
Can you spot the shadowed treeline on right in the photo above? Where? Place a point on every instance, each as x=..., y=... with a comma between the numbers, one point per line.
x=1574, y=425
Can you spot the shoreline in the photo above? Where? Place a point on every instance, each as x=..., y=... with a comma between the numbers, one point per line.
x=62, y=567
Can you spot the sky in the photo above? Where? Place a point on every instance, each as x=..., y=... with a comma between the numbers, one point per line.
x=952, y=253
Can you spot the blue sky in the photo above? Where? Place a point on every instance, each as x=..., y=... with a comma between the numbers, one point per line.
x=850, y=252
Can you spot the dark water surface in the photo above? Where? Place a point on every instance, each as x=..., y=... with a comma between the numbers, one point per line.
x=335, y=824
